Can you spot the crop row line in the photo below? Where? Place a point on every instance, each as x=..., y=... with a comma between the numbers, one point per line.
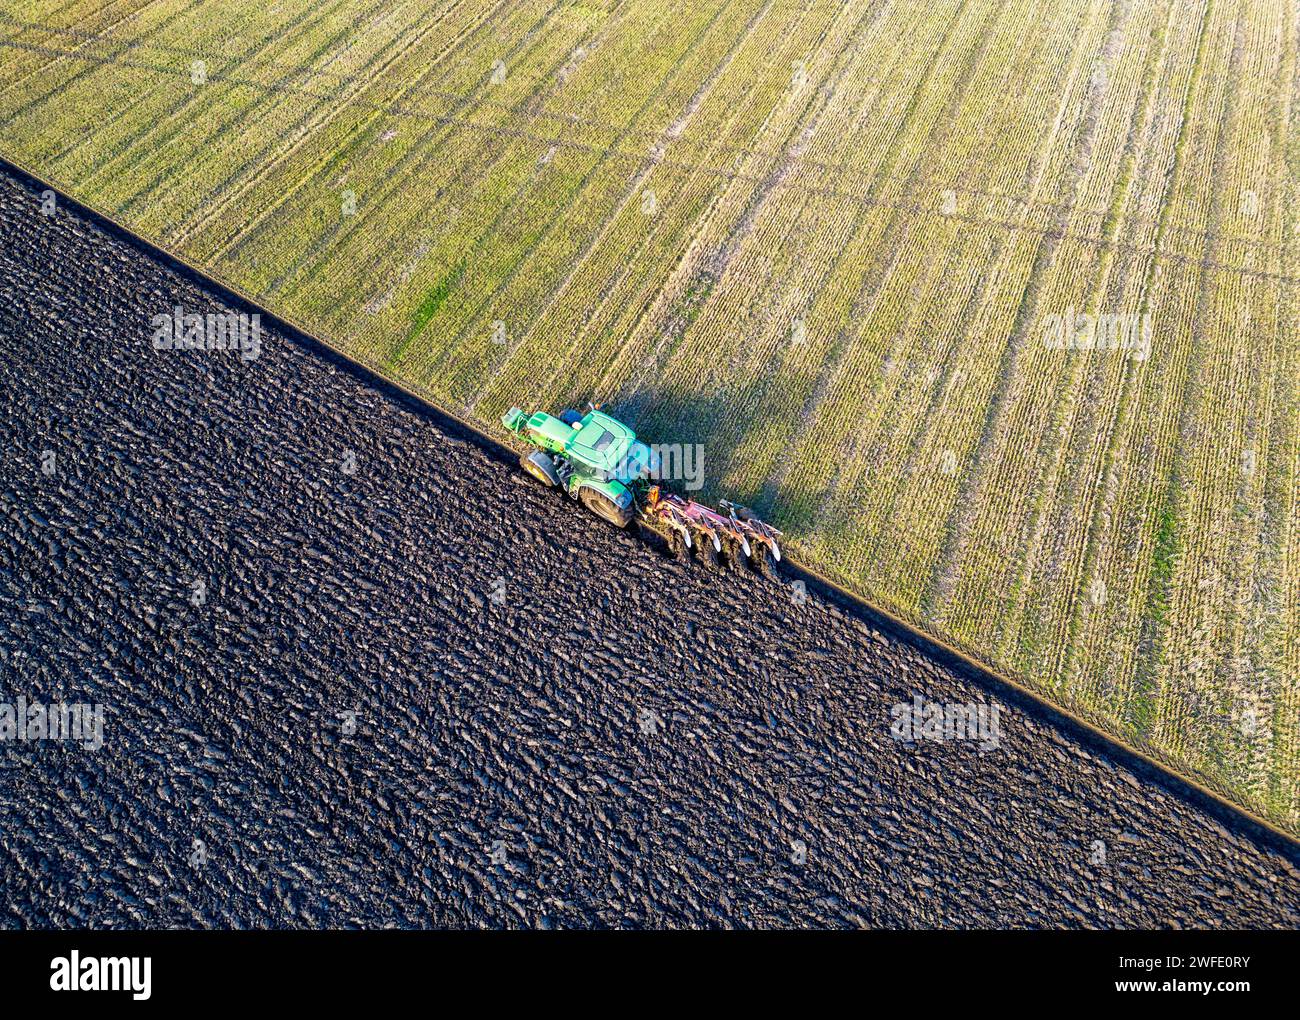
x=299, y=273
x=608, y=221
x=833, y=193
x=533, y=111
x=174, y=123
x=982, y=479
x=124, y=47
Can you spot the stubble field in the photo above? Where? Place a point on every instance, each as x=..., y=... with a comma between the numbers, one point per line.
x=992, y=307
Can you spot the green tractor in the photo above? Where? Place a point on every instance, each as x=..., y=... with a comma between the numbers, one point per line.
x=599, y=462
x=596, y=459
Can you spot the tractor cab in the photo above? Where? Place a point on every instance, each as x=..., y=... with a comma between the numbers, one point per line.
x=605, y=446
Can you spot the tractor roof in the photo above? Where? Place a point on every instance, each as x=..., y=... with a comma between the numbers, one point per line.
x=602, y=441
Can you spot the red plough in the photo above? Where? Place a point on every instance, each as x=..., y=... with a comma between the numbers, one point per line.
x=703, y=528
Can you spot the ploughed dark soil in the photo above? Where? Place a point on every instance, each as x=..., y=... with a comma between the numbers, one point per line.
x=417, y=689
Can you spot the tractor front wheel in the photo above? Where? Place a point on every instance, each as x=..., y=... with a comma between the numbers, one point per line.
x=602, y=506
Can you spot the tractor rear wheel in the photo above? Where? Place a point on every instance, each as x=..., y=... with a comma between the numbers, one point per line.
x=602, y=506
x=540, y=466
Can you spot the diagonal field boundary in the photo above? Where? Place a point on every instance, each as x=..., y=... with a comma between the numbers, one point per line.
x=1199, y=791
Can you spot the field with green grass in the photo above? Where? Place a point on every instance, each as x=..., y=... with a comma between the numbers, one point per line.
x=992, y=306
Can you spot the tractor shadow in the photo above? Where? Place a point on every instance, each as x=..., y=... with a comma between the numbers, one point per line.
x=719, y=426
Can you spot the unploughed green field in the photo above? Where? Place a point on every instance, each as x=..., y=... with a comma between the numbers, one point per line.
x=835, y=243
